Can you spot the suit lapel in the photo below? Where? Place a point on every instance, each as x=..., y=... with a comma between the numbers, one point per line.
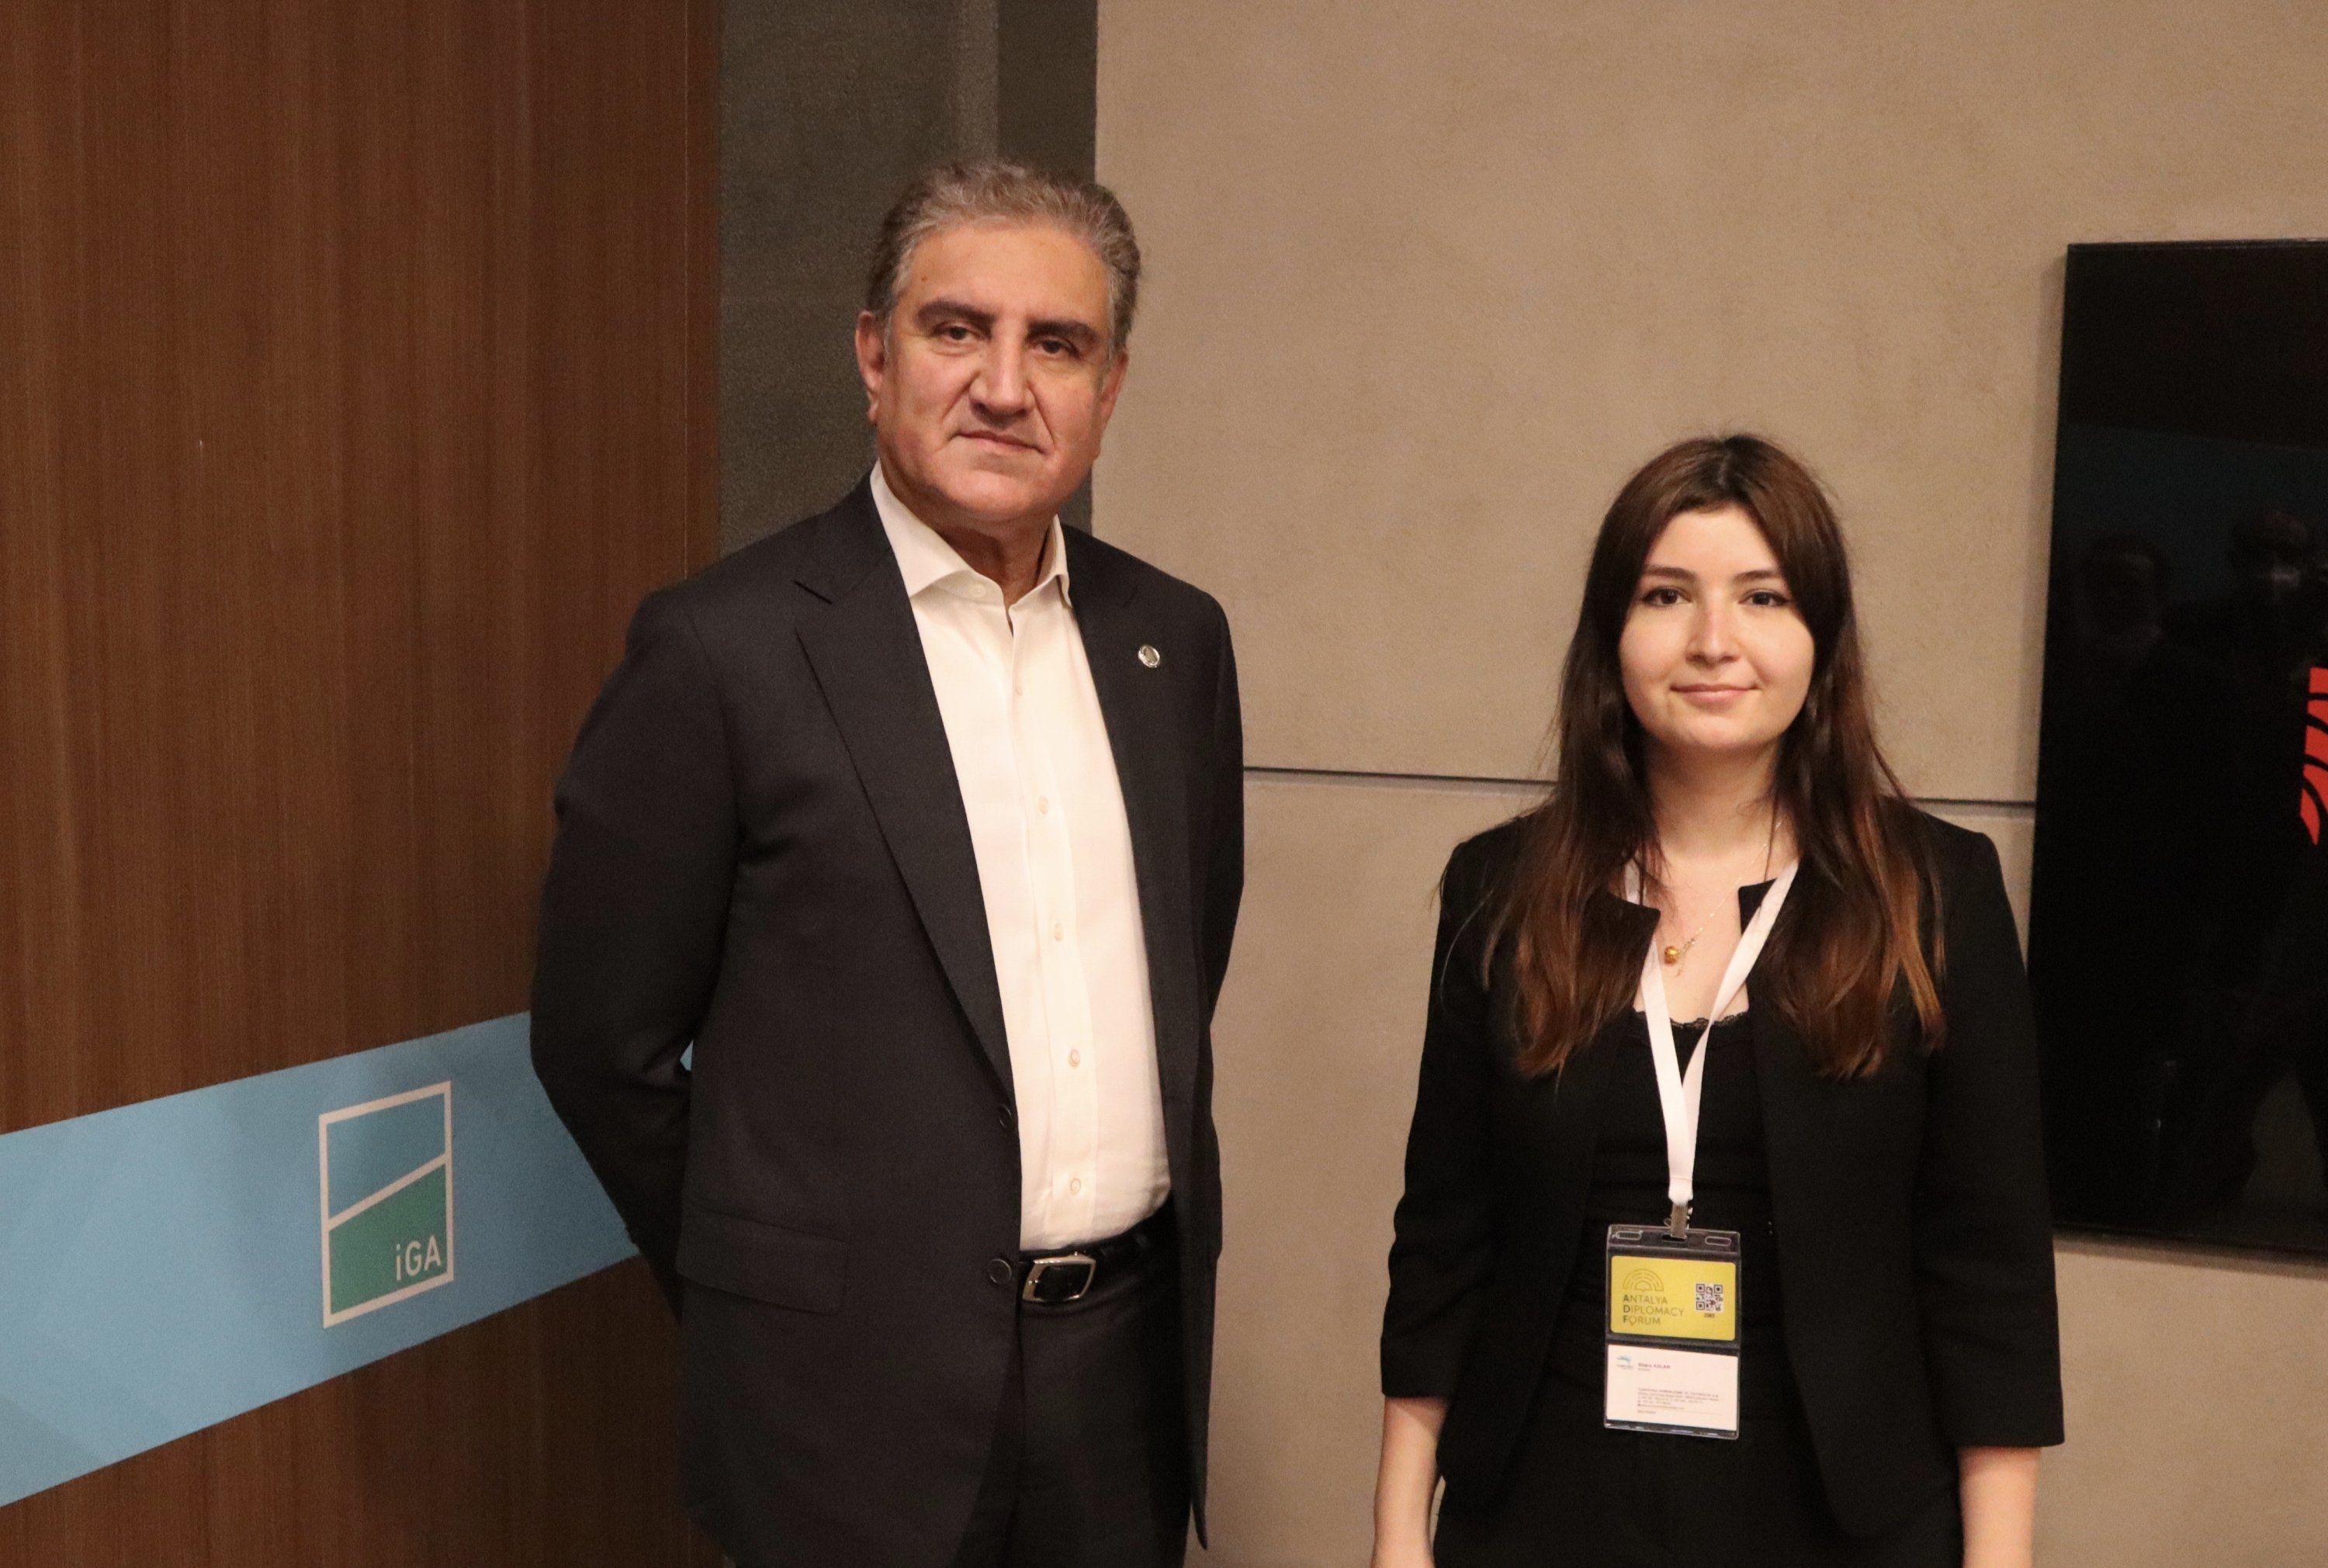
x=1144, y=734
x=867, y=654
x=1571, y=1138
x=1571, y=1118
x=1795, y=1142
x=1781, y=1077
x=1795, y=1146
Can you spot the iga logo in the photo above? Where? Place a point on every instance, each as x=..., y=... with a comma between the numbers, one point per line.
x=386, y=1170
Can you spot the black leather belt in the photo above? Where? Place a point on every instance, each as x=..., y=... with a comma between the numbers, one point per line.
x=1055, y=1279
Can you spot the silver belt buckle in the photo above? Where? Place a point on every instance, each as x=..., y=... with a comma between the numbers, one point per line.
x=1041, y=1267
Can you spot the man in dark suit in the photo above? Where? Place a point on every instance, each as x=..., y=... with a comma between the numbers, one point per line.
x=922, y=821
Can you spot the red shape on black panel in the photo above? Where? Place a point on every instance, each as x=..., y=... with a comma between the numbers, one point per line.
x=2313, y=803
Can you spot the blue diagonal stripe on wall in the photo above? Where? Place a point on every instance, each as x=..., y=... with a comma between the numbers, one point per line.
x=161, y=1265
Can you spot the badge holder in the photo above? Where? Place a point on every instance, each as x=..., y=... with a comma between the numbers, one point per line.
x=1672, y=1334
x=1673, y=1327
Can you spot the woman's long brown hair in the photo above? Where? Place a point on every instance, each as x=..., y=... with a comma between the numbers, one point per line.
x=1863, y=920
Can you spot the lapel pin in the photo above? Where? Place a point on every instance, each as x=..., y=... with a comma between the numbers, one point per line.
x=1149, y=656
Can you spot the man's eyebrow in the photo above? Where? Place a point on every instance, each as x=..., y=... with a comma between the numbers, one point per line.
x=938, y=310
x=1083, y=335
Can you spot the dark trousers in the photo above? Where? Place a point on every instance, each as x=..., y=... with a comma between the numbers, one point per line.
x=1090, y=1463
x=1583, y=1496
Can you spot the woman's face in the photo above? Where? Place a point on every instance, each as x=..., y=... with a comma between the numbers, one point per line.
x=1715, y=656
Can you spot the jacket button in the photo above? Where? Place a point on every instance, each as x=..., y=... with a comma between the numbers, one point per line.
x=998, y=1271
x=1008, y=1117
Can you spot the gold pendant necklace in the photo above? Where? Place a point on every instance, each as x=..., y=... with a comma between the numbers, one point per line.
x=1675, y=954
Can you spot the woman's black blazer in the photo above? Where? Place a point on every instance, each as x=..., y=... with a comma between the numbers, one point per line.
x=1915, y=1250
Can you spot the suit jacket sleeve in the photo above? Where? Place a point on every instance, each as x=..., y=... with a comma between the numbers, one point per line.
x=1984, y=1240
x=633, y=915
x=1224, y=884
x=1444, y=1240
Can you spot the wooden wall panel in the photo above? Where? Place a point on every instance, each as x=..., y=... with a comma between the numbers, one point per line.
x=349, y=369
x=357, y=368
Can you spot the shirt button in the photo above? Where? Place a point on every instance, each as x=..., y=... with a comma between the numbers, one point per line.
x=998, y=1271
x=1043, y=805
x=1058, y=931
x=1074, y=1058
x=1074, y=1186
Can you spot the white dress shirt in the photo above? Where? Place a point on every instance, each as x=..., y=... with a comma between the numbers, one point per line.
x=1055, y=866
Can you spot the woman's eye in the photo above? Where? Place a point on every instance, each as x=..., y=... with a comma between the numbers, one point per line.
x=1768, y=599
x=1661, y=596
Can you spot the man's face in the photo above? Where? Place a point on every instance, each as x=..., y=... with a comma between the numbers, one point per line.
x=993, y=383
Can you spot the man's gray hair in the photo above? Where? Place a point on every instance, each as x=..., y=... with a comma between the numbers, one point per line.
x=1002, y=191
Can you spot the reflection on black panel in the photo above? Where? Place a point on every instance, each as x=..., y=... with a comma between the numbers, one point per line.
x=2179, y=919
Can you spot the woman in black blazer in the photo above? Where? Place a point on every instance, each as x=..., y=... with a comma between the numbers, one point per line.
x=1868, y=1130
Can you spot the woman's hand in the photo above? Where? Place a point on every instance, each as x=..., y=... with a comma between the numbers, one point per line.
x=1997, y=1488
x=1406, y=1482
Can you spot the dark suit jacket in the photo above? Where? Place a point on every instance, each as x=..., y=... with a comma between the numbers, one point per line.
x=762, y=850
x=1915, y=1250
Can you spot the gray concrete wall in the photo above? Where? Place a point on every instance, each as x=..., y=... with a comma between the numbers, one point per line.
x=1425, y=282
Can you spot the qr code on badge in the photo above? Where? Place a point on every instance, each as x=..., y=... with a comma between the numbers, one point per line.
x=1709, y=1296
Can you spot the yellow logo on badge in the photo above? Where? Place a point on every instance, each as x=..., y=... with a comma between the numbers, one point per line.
x=1673, y=1298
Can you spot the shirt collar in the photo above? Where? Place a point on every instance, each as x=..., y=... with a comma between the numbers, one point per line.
x=926, y=561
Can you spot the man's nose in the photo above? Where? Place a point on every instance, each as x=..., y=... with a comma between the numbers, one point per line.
x=1001, y=386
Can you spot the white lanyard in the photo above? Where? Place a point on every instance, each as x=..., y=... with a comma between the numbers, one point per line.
x=1680, y=1094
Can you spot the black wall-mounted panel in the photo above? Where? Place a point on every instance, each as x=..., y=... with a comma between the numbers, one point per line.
x=2179, y=906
